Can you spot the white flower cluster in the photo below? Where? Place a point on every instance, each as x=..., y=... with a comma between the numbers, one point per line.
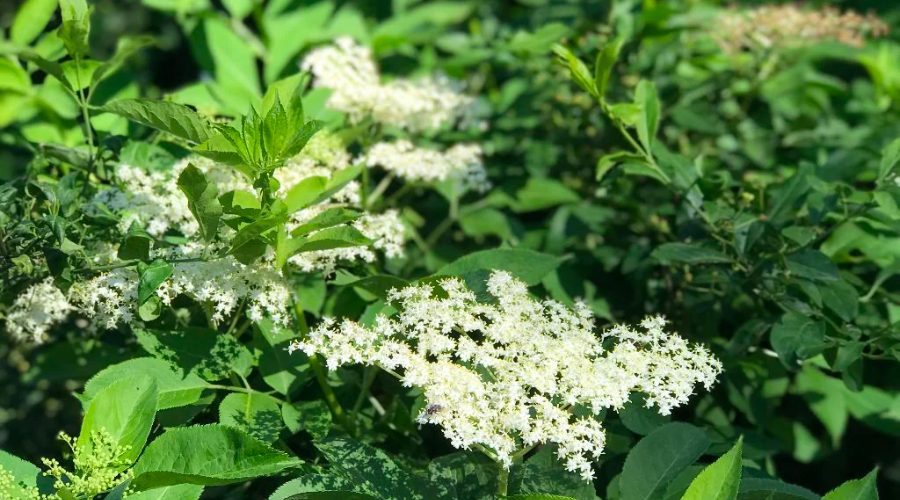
x=35, y=311
x=222, y=284
x=348, y=70
x=508, y=374
x=154, y=200
x=461, y=163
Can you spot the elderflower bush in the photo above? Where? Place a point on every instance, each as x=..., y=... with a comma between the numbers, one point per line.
x=282, y=250
x=505, y=377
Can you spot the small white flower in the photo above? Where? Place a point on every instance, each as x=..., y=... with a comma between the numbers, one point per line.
x=348, y=70
x=35, y=311
x=461, y=163
x=507, y=374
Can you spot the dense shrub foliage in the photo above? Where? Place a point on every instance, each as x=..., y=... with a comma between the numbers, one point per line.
x=449, y=250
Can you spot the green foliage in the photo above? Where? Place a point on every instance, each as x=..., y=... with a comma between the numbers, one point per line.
x=200, y=202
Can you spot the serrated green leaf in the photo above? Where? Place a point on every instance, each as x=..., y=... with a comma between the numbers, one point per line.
x=797, y=337
x=313, y=417
x=305, y=193
x=812, y=264
x=648, y=121
x=329, y=218
x=281, y=370
x=31, y=19
x=151, y=276
x=126, y=410
x=753, y=488
x=203, y=200
x=374, y=471
x=256, y=414
x=173, y=388
x=527, y=265
x=890, y=157
x=658, y=458
x=606, y=59
x=858, y=489
x=720, y=480
x=75, y=28
x=206, y=353
x=689, y=253
x=208, y=455
x=172, y=118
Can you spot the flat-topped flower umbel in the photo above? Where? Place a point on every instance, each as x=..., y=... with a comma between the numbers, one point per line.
x=505, y=375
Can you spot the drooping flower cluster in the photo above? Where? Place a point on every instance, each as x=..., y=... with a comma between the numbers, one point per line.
x=461, y=163
x=35, y=311
x=508, y=374
x=348, y=70
x=790, y=25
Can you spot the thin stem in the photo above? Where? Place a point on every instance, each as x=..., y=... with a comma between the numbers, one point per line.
x=379, y=189
x=369, y=374
x=502, y=482
x=321, y=376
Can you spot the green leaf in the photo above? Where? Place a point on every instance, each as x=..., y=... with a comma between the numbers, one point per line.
x=338, y=181
x=527, y=265
x=313, y=417
x=246, y=243
x=304, y=193
x=606, y=59
x=609, y=161
x=720, y=480
x=281, y=370
x=151, y=276
x=543, y=473
x=126, y=410
x=175, y=492
x=256, y=414
x=648, y=121
x=136, y=244
x=753, y=488
x=539, y=496
x=296, y=115
x=172, y=118
x=75, y=28
x=812, y=264
x=14, y=78
x=374, y=471
x=31, y=19
x=889, y=159
x=302, y=135
x=333, y=237
x=209, y=455
x=640, y=419
x=825, y=397
x=329, y=218
x=331, y=495
x=203, y=200
x=275, y=129
x=206, y=353
x=579, y=71
x=173, y=388
x=26, y=473
x=541, y=41
x=797, y=337
x=49, y=67
x=689, y=253
x=125, y=48
x=541, y=194
x=658, y=458
x=858, y=489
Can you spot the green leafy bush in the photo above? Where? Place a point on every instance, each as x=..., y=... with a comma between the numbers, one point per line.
x=388, y=250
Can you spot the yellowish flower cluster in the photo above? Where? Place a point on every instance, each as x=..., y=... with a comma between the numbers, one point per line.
x=790, y=25
x=98, y=467
x=508, y=374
